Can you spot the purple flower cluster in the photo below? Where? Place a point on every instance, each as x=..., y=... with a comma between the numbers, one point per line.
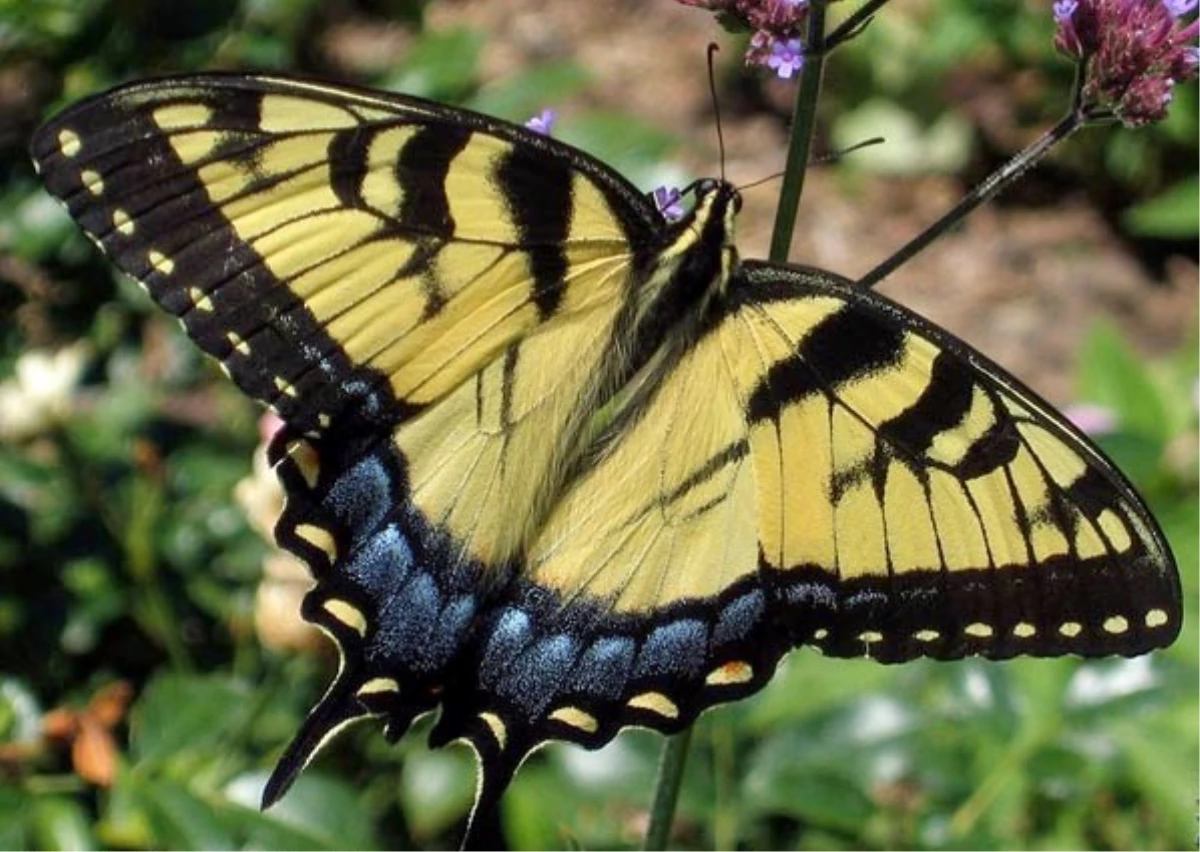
x=776, y=25
x=1135, y=53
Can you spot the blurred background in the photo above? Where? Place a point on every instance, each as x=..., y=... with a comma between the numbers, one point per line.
x=152, y=666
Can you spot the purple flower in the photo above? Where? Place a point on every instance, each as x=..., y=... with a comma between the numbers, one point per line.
x=776, y=27
x=786, y=58
x=1134, y=53
x=668, y=201
x=543, y=122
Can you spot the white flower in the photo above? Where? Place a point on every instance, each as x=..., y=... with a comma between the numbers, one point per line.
x=40, y=393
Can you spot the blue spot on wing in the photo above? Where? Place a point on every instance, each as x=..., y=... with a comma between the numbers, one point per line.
x=450, y=630
x=360, y=497
x=534, y=678
x=680, y=647
x=509, y=636
x=604, y=668
x=407, y=621
x=382, y=563
x=739, y=618
x=812, y=595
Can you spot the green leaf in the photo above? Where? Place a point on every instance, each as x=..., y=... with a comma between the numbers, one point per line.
x=776, y=783
x=633, y=148
x=1173, y=214
x=319, y=812
x=1162, y=763
x=914, y=146
x=20, y=712
x=440, y=65
x=437, y=789
x=525, y=95
x=807, y=684
x=37, y=226
x=1139, y=457
x=179, y=817
x=181, y=714
x=16, y=814
x=1112, y=375
x=1180, y=124
x=58, y=822
x=535, y=809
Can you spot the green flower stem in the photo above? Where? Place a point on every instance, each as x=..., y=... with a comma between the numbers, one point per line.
x=800, y=142
x=966, y=817
x=666, y=789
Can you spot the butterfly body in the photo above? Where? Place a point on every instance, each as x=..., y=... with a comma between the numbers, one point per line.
x=559, y=467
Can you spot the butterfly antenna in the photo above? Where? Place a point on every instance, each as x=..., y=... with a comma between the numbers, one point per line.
x=834, y=156
x=712, y=91
x=760, y=181
x=831, y=157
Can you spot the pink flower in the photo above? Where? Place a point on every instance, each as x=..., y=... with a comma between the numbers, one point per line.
x=1092, y=419
x=1134, y=53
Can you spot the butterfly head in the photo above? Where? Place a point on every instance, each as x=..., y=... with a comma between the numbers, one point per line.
x=703, y=241
x=718, y=197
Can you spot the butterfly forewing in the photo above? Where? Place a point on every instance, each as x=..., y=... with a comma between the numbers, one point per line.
x=328, y=245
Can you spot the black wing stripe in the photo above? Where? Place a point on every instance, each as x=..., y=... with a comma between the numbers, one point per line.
x=538, y=192
x=840, y=348
x=941, y=406
x=229, y=301
x=421, y=170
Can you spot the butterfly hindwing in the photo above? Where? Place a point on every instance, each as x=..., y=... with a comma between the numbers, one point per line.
x=559, y=467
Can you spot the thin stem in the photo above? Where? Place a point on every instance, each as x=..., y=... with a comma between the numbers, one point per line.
x=725, y=811
x=854, y=24
x=800, y=143
x=967, y=815
x=666, y=789
x=988, y=189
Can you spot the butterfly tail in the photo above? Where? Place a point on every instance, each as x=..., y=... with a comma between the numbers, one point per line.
x=335, y=711
x=483, y=825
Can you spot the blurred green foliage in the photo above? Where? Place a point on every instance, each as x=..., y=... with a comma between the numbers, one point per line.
x=124, y=560
x=955, y=83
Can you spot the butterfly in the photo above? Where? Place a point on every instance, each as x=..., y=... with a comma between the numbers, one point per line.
x=559, y=466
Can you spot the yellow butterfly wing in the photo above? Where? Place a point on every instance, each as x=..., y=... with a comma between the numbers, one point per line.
x=890, y=490
x=353, y=257
x=822, y=467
